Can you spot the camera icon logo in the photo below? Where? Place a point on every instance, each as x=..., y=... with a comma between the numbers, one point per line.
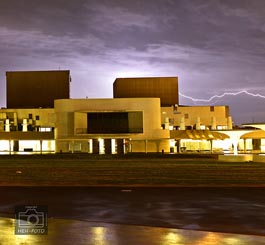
x=31, y=220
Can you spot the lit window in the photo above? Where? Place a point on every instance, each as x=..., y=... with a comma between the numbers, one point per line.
x=220, y=127
x=202, y=127
x=45, y=129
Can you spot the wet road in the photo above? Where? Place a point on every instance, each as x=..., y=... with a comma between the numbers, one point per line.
x=232, y=210
x=80, y=232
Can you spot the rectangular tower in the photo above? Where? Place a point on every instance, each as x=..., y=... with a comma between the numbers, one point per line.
x=36, y=89
x=165, y=88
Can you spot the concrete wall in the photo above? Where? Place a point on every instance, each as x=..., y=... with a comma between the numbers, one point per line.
x=190, y=115
x=28, y=130
x=150, y=145
x=71, y=116
x=46, y=117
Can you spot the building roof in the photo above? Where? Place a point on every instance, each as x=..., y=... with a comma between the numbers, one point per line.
x=257, y=134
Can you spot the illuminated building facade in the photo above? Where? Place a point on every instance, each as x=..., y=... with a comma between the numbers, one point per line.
x=110, y=126
x=27, y=130
x=28, y=122
x=144, y=116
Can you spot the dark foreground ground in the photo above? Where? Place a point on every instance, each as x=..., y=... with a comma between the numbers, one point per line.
x=232, y=210
x=143, y=170
x=197, y=193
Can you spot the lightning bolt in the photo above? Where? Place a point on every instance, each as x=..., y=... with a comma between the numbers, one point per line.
x=222, y=95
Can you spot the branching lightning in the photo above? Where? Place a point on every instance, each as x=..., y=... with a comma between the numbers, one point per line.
x=222, y=95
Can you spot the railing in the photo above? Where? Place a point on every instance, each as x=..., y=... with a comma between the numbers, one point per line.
x=81, y=131
x=130, y=131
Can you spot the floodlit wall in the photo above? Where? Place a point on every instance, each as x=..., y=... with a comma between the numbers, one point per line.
x=33, y=118
x=27, y=131
x=212, y=117
x=72, y=123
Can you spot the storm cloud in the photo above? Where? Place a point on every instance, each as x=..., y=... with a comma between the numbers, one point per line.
x=212, y=46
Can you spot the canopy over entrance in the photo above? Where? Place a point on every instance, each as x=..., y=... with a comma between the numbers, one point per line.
x=257, y=134
x=197, y=135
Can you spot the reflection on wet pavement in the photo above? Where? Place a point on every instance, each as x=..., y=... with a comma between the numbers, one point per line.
x=63, y=231
x=227, y=210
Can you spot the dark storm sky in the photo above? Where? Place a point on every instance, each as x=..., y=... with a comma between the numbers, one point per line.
x=212, y=46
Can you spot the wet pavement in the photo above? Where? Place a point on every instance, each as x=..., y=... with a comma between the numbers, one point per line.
x=80, y=232
x=115, y=215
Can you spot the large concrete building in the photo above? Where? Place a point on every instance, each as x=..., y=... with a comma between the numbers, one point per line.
x=143, y=116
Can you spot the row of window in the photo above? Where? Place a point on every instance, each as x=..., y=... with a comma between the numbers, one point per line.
x=202, y=127
x=19, y=127
x=11, y=115
x=37, y=117
x=175, y=109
